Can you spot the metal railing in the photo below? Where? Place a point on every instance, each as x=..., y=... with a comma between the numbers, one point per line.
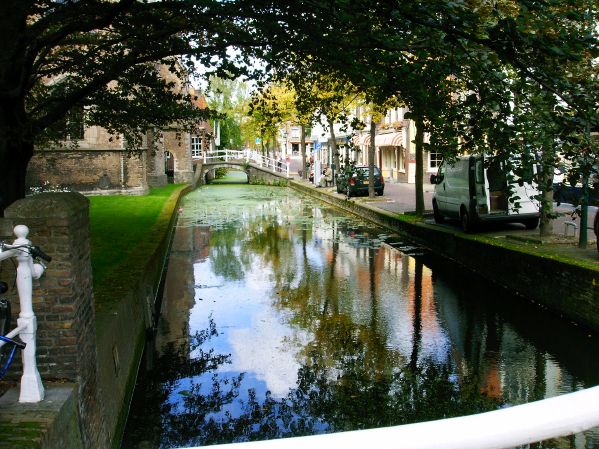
x=514, y=426
x=32, y=389
x=275, y=165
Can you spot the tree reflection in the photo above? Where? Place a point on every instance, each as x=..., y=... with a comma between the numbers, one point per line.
x=225, y=258
x=345, y=383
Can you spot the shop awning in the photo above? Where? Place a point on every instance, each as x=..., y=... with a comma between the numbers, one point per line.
x=389, y=140
x=363, y=139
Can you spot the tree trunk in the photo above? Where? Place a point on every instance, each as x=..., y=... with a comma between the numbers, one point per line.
x=13, y=169
x=305, y=170
x=16, y=150
x=419, y=166
x=546, y=187
x=334, y=149
x=371, y=150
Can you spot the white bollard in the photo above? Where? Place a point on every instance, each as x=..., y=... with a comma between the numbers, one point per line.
x=32, y=389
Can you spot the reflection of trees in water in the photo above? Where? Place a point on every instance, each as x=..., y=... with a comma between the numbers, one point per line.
x=235, y=248
x=345, y=382
x=155, y=419
x=349, y=378
x=226, y=261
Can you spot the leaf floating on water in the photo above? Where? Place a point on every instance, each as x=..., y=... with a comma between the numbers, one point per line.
x=185, y=393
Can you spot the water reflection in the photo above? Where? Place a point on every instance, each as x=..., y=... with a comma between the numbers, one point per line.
x=283, y=318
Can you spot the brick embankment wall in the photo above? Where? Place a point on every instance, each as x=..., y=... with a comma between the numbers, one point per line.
x=568, y=289
x=124, y=314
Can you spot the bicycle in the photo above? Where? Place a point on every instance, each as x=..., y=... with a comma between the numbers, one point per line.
x=5, y=319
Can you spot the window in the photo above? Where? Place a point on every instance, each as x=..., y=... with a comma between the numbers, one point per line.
x=196, y=146
x=434, y=159
x=479, y=171
x=72, y=126
x=77, y=123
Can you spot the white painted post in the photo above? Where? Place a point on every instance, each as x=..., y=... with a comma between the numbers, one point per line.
x=287, y=164
x=32, y=389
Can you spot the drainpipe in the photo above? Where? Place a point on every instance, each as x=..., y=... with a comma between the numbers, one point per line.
x=584, y=205
x=122, y=171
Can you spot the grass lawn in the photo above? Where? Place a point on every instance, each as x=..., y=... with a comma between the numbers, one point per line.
x=123, y=226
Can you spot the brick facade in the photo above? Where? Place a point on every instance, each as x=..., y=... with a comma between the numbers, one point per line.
x=95, y=171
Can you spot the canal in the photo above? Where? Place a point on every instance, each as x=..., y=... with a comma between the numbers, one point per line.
x=282, y=316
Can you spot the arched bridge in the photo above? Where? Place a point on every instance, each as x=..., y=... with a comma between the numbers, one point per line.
x=259, y=169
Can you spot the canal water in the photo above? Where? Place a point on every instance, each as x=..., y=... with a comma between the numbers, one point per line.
x=282, y=316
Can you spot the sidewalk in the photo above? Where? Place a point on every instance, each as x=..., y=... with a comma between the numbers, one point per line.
x=400, y=198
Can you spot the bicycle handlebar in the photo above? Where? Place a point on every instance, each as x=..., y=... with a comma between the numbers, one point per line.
x=35, y=251
x=18, y=344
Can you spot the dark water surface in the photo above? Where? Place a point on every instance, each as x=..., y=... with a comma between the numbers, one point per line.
x=282, y=316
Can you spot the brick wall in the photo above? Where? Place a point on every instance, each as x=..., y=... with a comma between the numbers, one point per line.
x=63, y=299
x=89, y=170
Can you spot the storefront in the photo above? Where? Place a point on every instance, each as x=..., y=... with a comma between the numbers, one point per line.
x=391, y=157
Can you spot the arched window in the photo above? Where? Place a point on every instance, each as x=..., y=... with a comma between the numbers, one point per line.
x=169, y=166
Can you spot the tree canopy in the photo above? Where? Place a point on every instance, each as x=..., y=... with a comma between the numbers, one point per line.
x=230, y=98
x=101, y=57
x=104, y=57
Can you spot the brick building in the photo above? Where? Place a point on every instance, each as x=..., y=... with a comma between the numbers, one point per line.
x=97, y=162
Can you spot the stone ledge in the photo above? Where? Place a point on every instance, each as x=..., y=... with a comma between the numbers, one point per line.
x=54, y=205
x=49, y=424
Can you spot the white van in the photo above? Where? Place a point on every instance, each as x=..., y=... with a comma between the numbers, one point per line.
x=473, y=191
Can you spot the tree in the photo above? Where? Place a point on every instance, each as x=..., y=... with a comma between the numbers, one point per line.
x=536, y=122
x=230, y=98
x=101, y=56
x=271, y=105
x=475, y=43
x=98, y=55
x=322, y=96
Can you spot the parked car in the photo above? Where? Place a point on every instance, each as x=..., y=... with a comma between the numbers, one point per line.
x=357, y=183
x=474, y=192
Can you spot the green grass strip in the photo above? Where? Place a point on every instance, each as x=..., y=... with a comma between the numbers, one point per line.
x=125, y=231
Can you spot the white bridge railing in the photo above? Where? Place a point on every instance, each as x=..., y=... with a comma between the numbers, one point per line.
x=514, y=426
x=275, y=165
x=21, y=249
